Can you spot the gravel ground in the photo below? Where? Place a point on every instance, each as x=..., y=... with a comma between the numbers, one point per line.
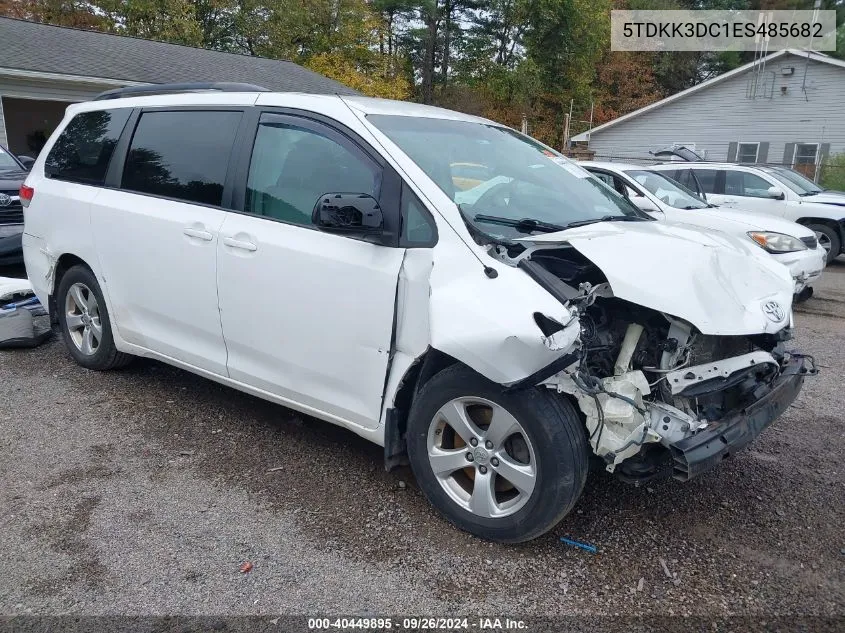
x=142, y=491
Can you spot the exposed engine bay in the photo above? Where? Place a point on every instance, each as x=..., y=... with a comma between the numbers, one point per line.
x=648, y=382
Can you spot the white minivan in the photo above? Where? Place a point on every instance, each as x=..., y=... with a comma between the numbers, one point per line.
x=309, y=249
x=760, y=189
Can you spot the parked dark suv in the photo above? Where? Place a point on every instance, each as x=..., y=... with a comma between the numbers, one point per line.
x=12, y=174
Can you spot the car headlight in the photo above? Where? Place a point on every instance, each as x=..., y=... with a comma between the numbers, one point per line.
x=777, y=242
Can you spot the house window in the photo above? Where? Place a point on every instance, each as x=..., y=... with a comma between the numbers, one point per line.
x=805, y=153
x=804, y=159
x=747, y=152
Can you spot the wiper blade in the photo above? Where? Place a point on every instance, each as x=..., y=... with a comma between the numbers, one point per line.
x=525, y=225
x=607, y=218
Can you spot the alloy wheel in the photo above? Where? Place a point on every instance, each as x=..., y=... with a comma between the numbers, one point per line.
x=82, y=315
x=482, y=457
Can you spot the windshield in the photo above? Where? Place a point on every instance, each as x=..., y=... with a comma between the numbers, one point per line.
x=667, y=190
x=7, y=163
x=503, y=176
x=795, y=181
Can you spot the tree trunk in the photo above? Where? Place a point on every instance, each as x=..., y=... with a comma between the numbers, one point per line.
x=447, y=36
x=430, y=56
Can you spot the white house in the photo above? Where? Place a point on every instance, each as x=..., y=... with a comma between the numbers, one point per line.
x=787, y=108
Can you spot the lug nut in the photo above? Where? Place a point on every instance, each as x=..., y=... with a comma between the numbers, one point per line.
x=494, y=462
x=488, y=444
x=483, y=469
x=474, y=442
x=469, y=457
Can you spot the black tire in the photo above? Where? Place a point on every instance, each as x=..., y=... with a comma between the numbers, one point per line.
x=106, y=356
x=832, y=235
x=554, y=429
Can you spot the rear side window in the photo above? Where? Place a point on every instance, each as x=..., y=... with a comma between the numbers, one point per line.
x=84, y=148
x=183, y=155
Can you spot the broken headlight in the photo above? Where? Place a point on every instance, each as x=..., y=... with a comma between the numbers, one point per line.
x=777, y=242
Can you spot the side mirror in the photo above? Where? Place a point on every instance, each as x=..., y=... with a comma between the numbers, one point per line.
x=27, y=161
x=349, y=213
x=775, y=193
x=644, y=204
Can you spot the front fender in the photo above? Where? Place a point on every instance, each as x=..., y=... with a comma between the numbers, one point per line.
x=489, y=325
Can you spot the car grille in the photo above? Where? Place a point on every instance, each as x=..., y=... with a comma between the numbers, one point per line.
x=13, y=214
x=811, y=242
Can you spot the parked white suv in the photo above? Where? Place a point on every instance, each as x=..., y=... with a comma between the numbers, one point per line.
x=308, y=249
x=758, y=190
x=792, y=244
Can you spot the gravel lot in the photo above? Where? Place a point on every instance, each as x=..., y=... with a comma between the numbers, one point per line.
x=142, y=491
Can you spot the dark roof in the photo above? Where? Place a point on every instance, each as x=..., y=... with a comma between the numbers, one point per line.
x=67, y=51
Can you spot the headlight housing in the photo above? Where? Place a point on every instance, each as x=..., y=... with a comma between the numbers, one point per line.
x=777, y=242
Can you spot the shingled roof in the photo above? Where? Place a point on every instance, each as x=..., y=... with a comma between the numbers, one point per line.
x=53, y=49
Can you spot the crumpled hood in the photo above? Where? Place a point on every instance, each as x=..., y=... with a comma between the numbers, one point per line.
x=717, y=282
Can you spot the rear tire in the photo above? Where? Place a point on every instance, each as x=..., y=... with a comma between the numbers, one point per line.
x=827, y=236
x=84, y=321
x=529, y=461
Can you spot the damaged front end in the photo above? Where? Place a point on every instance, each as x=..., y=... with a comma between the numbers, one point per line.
x=659, y=396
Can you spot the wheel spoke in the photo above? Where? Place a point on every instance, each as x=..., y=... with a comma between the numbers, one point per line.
x=520, y=475
x=78, y=298
x=445, y=462
x=97, y=330
x=87, y=346
x=502, y=426
x=483, y=500
x=455, y=414
x=74, y=321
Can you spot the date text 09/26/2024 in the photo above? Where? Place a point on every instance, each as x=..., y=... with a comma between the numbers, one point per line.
x=416, y=624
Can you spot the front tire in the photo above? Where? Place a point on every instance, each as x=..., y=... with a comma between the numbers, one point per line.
x=828, y=238
x=505, y=466
x=85, y=323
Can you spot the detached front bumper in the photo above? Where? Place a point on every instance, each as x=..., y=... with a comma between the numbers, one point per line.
x=705, y=450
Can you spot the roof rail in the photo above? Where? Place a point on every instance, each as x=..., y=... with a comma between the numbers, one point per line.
x=157, y=89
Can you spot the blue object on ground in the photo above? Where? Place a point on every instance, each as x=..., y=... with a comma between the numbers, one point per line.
x=590, y=548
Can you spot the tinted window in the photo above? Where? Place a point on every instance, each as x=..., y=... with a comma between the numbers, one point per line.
x=740, y=183
x=417, y=226
x=83, y=150
x=182, y=155
x=292, y=167
x=707, y=179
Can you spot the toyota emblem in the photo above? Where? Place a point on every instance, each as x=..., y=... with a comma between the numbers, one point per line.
x=774, y=311
x=5, y=200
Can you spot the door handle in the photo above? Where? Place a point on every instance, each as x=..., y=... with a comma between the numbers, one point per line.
x=198, y=233
x=241, y=244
